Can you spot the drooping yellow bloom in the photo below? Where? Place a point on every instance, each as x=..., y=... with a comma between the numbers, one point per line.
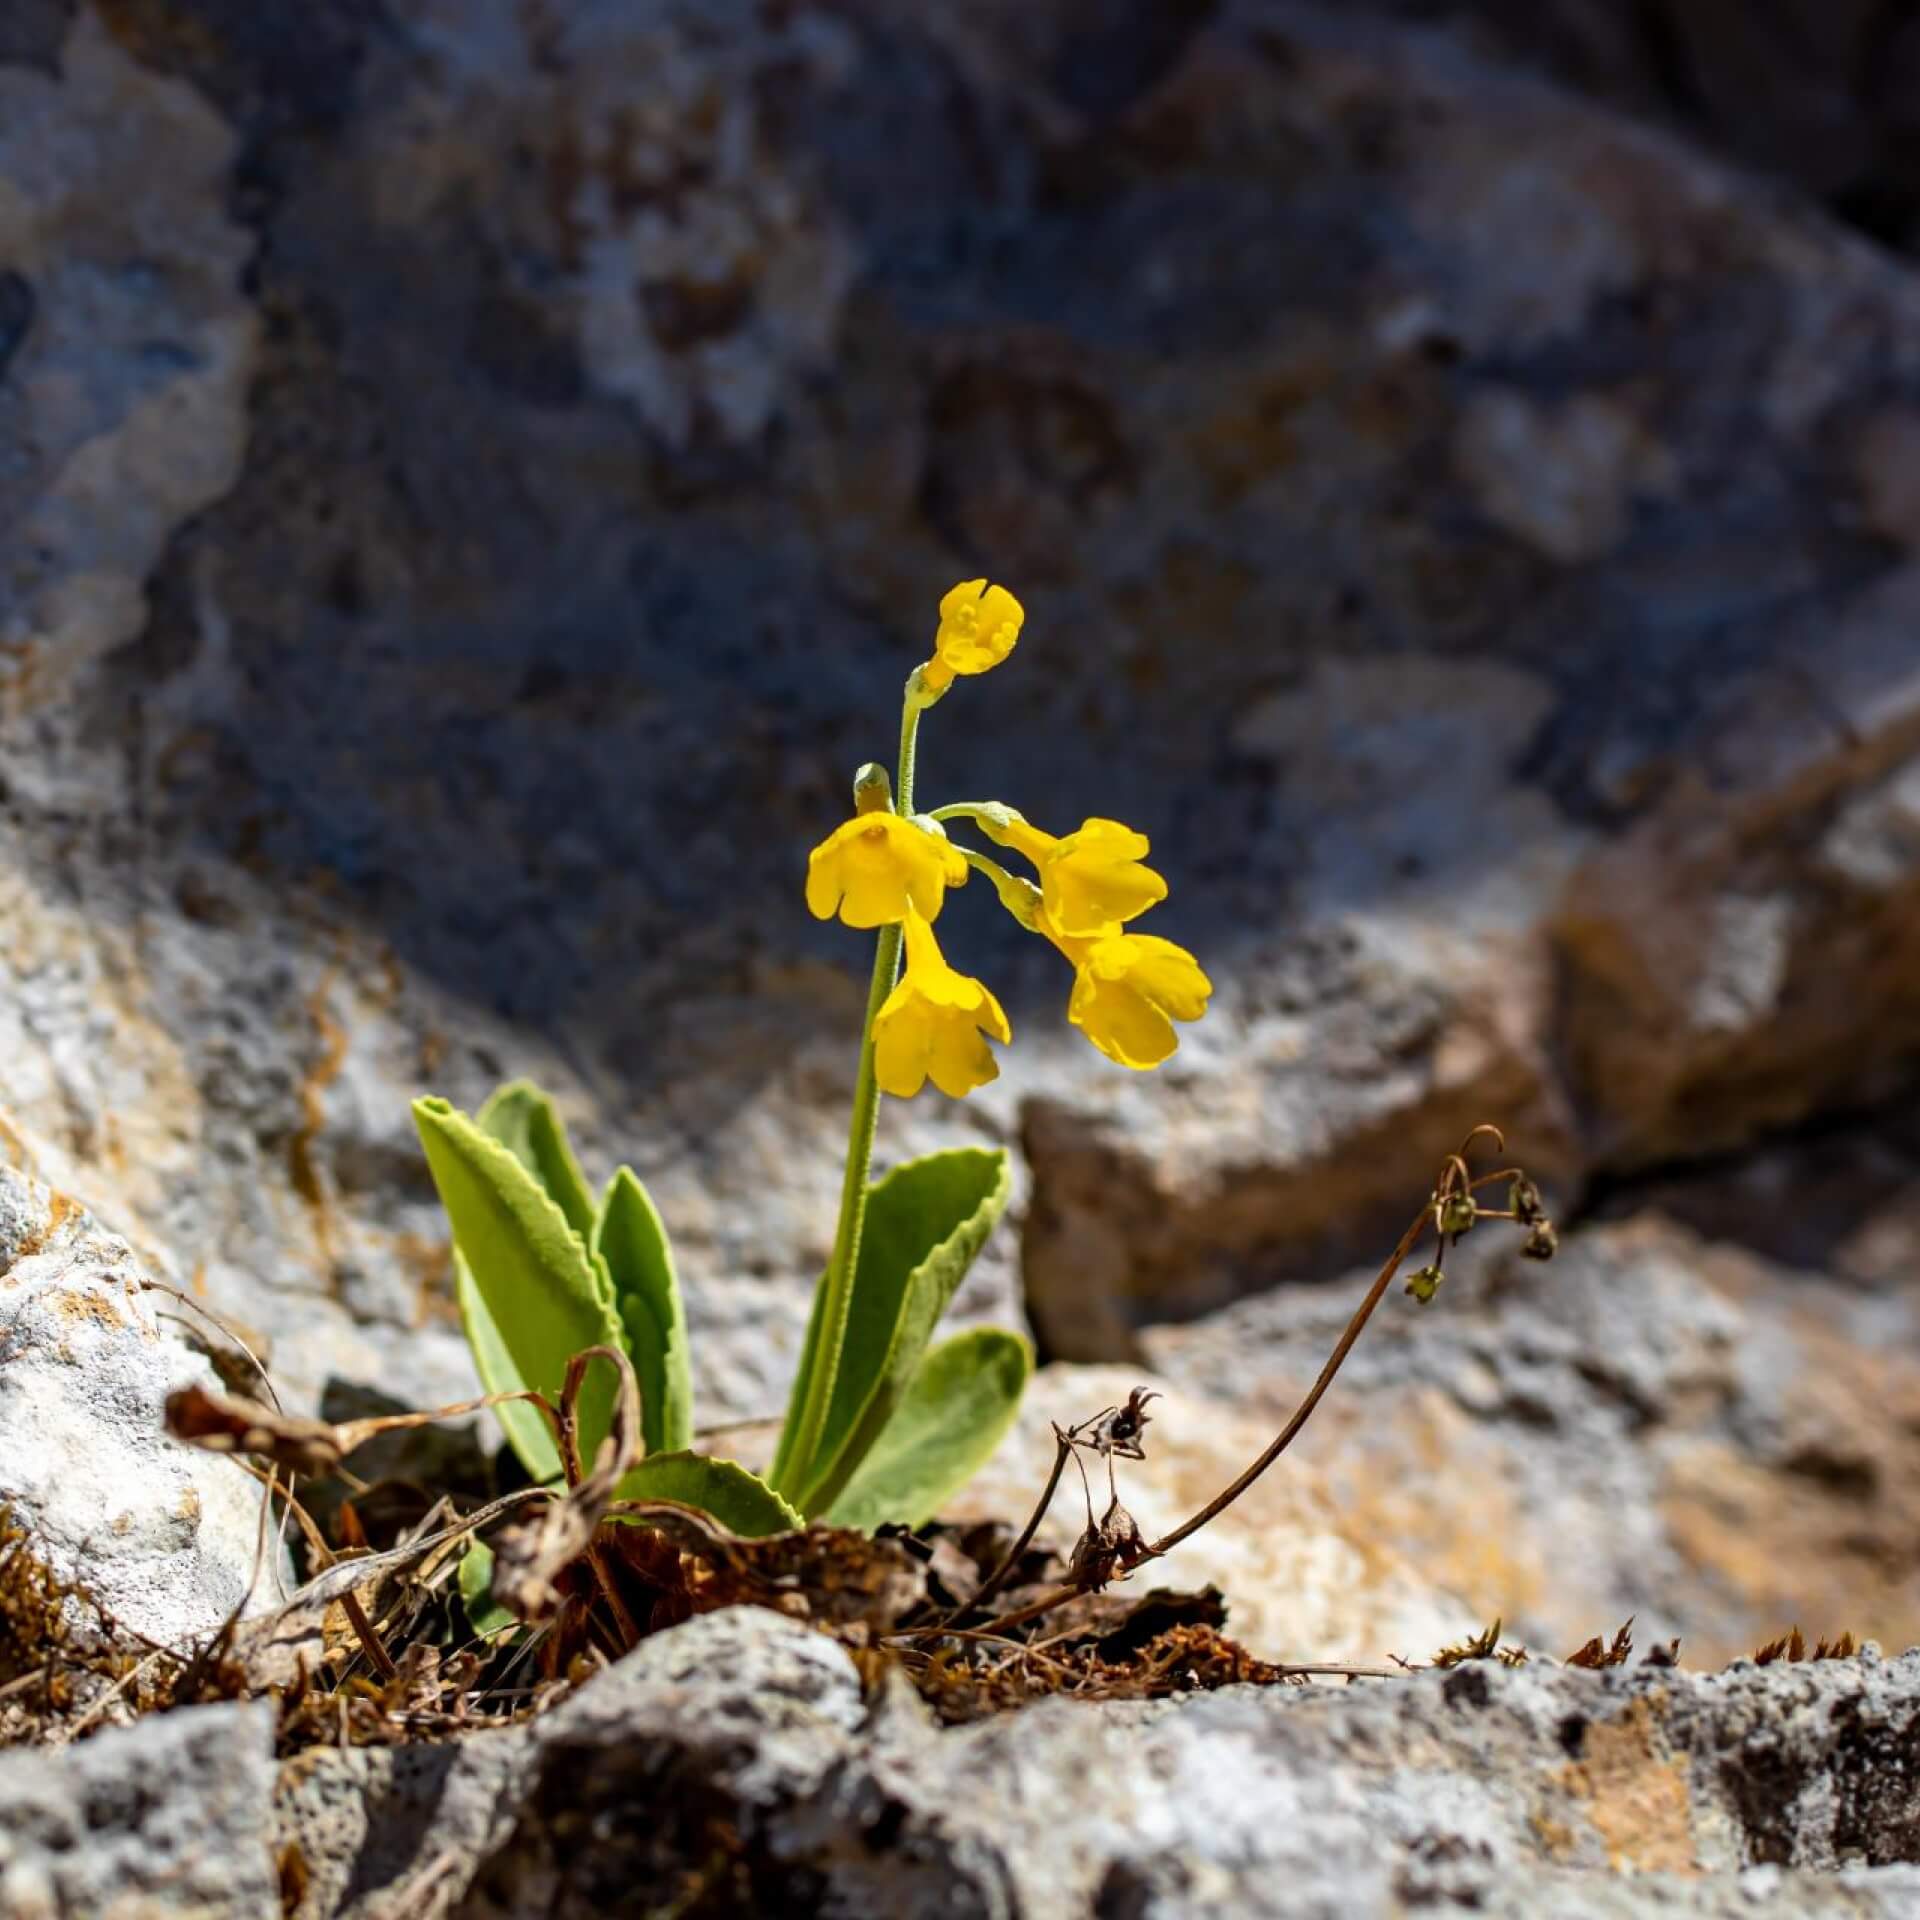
x=934, y=1024
x=1090, y=880
x=1128, y=990
x=877, y=867
x=978, y=626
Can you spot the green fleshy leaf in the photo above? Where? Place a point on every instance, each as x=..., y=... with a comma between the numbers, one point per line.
x=723, y=1488
x=925, y=1223
x=485, y=1615
x=525, y=1121
x=531, y=1297
x=628, y=1236
x=526, y=1427
x=959, y=1405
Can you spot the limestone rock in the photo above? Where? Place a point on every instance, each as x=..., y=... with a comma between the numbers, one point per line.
x=166, y=1539
x=1503, y=631
x=172, y=1816
x=738, y=1749
x=126, y=345
x=1655, y=1424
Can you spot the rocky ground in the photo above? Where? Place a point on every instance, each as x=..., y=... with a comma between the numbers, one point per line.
x=472, y=476
x=736, y=1765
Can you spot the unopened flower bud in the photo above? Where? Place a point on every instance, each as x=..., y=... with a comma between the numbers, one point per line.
x=872, y=789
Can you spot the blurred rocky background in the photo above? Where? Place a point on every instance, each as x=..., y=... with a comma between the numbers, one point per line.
x=474, y=473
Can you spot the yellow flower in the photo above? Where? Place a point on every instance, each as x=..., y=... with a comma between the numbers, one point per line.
x=877, y=867
x=1128, y=990
x=935, y=1024
x=978, y=626
x=1090, y=880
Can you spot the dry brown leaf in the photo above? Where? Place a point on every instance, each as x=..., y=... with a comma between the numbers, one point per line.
x=223, y=1423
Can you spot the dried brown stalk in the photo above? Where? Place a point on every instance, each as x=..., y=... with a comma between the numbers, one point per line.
x=1450, y=1211
x=529, y=1557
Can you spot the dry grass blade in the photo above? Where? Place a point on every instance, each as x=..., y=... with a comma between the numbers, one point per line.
x=278, y=1647
x=229, y=1352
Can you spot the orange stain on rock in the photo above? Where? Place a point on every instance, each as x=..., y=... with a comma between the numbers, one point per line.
x=1635, y=1792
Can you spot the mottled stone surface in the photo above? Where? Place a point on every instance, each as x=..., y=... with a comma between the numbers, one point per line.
x=473, y=476
x=1822, y=96
x=738, y=1750
x=171, y=1817
x=167, y=1540
x=1653, y=1425
x=126, y=345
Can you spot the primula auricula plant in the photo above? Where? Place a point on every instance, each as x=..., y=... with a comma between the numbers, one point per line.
x=882, y=1425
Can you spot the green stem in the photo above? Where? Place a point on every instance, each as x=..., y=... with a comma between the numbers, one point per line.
x=980, y=863
x=836, y=1298
x=991, y=812
x=1021, y=898
x=909, y=744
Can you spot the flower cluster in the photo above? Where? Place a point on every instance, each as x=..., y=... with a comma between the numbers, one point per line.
x=887, y=867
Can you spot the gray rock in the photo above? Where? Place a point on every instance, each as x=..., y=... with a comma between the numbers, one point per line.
x=166, y=1539
x=126, y=346
x=737, y=1755
x=169, y=1817
x=382, y=1831
x=598, y=478
x=1654, y=1424
x=1474, y=534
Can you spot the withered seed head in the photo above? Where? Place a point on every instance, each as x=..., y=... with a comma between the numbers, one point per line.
x=1123, y=1533
x=1120, y=1429
x=1094, y=1561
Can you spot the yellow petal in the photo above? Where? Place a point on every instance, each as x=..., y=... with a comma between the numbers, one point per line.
x=1169, y=976
x=901, y=1042
x=1121, y=1023
x=932, y=1022
x=932, y=865
x=927, y=969
x=993, y=1016
x=960, y=1059
x=824, y=886
x=1129, y=989
x=900, y=1046
x=1093, y=879
x=872, y=867
x=978, y=627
